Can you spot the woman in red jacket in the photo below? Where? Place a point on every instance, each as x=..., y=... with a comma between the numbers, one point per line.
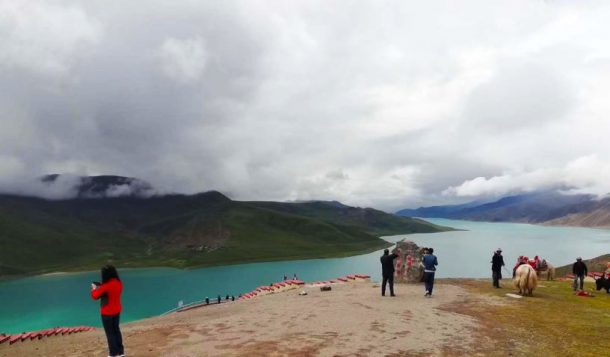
x=110, y=293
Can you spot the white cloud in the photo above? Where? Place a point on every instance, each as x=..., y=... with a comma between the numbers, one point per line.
x=587, y=174
x=361, y=187
x=43, y=37
x=65, y=186
x=291, y=100
x=183, y=60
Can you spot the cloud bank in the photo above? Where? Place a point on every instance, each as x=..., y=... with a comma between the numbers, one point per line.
x=387, y=105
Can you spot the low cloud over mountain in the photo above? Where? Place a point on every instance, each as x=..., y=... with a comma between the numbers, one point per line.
x=387, y=105
x=58, y=187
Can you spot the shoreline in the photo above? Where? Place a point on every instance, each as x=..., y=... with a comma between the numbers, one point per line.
x=60, y=273
x=541, y=224
x=199, y=266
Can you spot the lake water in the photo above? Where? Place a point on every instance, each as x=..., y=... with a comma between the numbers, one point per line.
x=63, y=300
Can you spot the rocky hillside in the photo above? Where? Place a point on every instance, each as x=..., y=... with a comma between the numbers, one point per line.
x=548, y=207
x=593, y=214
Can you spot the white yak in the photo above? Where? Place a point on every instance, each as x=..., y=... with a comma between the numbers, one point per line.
x=525, y=279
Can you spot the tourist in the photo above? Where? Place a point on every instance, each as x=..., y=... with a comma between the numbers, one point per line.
x=294, y=276
x=579, y=269
x=423, y=252
x=110, y=291
x=387, y=271
x=430, y=262
x=497, y=262
x=520, y=261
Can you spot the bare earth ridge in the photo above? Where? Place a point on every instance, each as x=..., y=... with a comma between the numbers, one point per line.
x=351, y=320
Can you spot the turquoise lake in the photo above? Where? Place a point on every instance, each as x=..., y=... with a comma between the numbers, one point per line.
x=63, y=300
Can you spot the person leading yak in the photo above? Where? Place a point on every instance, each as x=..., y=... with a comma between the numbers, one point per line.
x=497, y=262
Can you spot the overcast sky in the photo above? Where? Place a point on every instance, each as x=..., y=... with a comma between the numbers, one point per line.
x=387, y=104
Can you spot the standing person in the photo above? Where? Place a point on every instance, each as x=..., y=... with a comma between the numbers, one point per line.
x=387, y=271
x=430, y=262
x=497, y=262
x=579, y=269
x=110, y=291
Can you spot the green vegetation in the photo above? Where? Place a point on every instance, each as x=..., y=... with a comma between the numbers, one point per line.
x=39, y=236
x=554, y=322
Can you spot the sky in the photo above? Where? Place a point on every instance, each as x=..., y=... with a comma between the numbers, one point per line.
x=387, y=104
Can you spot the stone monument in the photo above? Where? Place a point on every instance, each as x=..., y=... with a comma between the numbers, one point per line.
x=408, y=268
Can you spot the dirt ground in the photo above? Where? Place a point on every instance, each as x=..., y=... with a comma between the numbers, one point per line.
x=351, y=320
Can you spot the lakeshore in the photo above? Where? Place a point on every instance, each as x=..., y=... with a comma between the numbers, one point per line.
x=461, y=254
x=465, y=317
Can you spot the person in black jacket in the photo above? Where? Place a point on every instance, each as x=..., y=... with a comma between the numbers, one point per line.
x=497, y=262
x=579, y=269
x=387, y=271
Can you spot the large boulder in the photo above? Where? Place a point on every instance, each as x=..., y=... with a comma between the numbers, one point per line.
x=408, y=268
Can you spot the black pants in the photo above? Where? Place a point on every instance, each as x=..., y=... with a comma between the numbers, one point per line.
x=113, y=334
x=429, y=282
x=496, y=275
x=582, y=280
x=387, y=279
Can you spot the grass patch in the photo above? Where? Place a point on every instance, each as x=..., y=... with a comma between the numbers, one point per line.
x=554, y=322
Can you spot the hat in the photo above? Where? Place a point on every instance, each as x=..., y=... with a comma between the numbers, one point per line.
x=499, y=250
x=579, y=258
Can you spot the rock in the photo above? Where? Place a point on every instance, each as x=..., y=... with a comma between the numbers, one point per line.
x=408, y=269
x=514, y=296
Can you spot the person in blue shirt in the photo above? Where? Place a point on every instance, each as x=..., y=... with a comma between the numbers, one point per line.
x=430, y=262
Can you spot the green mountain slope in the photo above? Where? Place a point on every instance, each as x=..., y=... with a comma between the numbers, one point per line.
x=367, y=219
x=38, y=236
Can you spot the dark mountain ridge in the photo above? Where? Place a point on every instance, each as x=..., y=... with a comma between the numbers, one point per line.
x=537, y=207
x=39, y=235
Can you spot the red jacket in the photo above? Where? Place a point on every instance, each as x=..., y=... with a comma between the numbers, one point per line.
x=112, y=288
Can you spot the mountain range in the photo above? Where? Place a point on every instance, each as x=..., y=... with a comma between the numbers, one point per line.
x=119, y=220
x=545, y=207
